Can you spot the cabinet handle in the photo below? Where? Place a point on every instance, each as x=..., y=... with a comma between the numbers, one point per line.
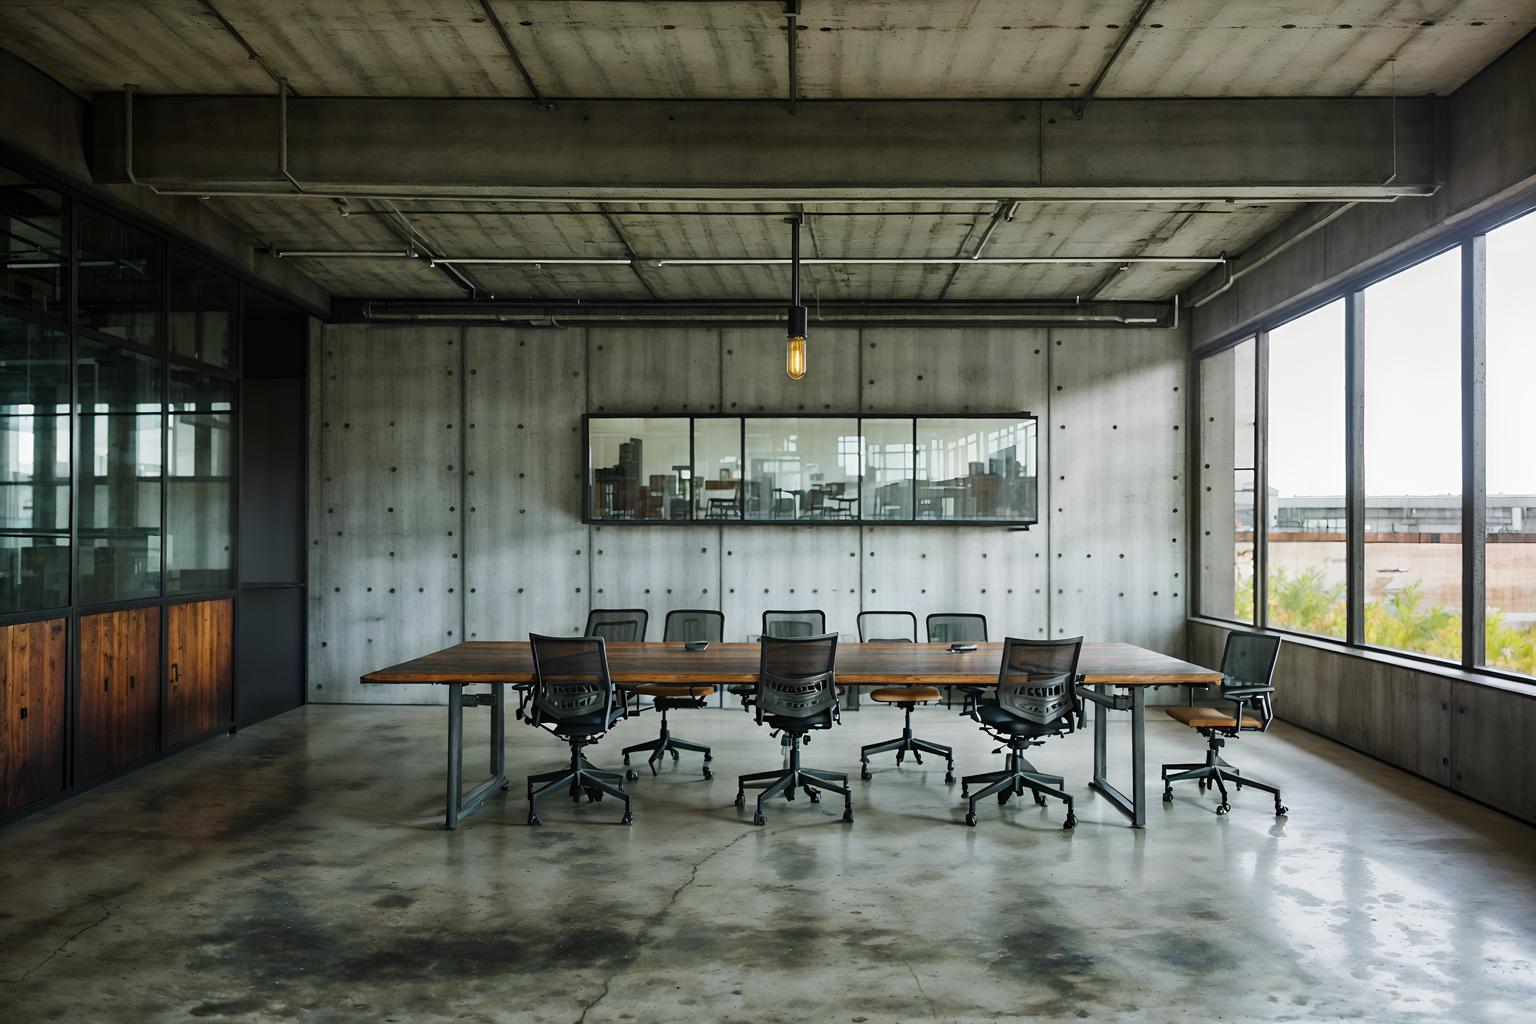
x=130, y=682
x=23, y=712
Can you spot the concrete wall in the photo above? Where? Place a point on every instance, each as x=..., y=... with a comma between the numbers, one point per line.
x=1454, y=730
x=447, y=486
x=1488, y=160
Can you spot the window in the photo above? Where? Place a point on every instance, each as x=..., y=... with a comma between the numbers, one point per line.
x=202, y=320
x=119, y=467
x=1413, y=459
x=1227, y=413
x=802, y=468
x=1510, y=557
x=888, y=469
x=120, y=273
x=34, y=437
x=640, y=468
x=978, y=469
x=33, y=269
x=1306, y=554
x=199, y=499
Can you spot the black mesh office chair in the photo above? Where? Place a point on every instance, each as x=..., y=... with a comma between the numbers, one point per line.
x=808, y=622
x=680, y=627
x=900, y=628
x=1248, y=671
x=574, y=698
x=796, y=693
x=617, y=624
x=1036, y=699
x=959, y=628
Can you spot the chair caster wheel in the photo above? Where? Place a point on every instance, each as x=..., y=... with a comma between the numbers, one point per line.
x=789, y=794
x=848, y=815
x=741, y=801
x=815, y=797
x=1167, y=796
x=707, y=773
x=1223, y=808
x=594, y=796
x=626, y=760
x=899, y=757
x=708, y=758
x=758, y=819
x=1039, y=800
x=1070, y=823
x=1239, y=784
x=1281, y=810
x=864, y=773
x=970, y=819
x=917, y=757
x=628, y=819
x=949, y=778
x=965, y=791
x=632, y=775
x=533, y=820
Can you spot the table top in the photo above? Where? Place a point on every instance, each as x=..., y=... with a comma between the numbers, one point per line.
x=857, y=664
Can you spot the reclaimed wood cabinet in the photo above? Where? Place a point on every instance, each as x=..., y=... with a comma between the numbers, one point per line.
x=119, y=711
x=199, y=666
x=33, y=685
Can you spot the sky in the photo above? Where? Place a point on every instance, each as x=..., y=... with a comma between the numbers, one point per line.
x=1412, y=382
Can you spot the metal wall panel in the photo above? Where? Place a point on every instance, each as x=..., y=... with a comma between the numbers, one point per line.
x=388, y=572
x=790, y=567
x=1117, y=531
x=654, y=369
x=527, y=548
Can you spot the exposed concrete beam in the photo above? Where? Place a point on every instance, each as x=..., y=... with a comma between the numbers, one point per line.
x=1281, y=149
x=46, y=123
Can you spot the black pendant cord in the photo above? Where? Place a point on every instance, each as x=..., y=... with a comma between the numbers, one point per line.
x=794, y=259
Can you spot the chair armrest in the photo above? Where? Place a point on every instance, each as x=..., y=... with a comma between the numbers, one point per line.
x=1243, y=693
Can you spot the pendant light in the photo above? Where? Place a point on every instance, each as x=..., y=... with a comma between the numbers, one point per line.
x=794, y=346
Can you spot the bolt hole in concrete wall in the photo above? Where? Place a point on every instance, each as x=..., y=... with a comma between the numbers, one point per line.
x=472, y=437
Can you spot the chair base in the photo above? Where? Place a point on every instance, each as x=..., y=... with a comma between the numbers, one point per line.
x=1215, y=771
x=1012, y=781
x=581, y=777
x=793, y=776
x=906, y=744
x=666, y=743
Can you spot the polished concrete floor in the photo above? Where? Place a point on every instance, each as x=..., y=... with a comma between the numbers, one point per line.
x=298, y=871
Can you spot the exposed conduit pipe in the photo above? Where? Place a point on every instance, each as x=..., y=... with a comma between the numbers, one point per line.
x=1234, y=272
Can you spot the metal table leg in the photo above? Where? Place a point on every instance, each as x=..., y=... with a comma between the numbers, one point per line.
x=1134, y=807
x=460, y=804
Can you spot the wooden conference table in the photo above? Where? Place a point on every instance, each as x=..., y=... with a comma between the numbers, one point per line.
x=1111, y=676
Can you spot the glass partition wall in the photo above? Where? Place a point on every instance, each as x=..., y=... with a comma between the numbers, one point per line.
x=1396, y=480
x=117, y=405
x=812, y=469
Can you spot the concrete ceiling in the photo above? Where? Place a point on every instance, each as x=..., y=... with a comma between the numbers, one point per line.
x=867, y=49
x=956, y=49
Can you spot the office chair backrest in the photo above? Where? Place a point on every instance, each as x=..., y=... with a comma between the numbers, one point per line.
x=887, y=627
x=795, y=677
x=570, y=677
x=807, y=622
x=686, y=625
x=1248, y=662
x=957, y=628
x=1037, y=679
x=617, y=624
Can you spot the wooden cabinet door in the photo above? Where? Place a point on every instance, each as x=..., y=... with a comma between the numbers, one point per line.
x=199, y=664
x=32, y=697
x=119, y=720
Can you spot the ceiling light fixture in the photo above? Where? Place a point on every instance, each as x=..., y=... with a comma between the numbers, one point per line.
x=794, y=346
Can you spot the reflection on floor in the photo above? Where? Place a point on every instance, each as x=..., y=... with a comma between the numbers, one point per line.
x=297, y=871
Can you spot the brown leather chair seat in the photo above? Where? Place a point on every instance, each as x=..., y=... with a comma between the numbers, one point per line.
x=1210, y=718
x=906, y=694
